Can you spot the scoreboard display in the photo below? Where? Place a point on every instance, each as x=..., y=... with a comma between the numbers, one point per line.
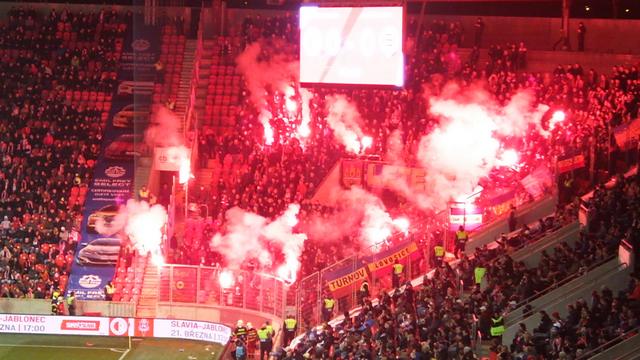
x=352, y=45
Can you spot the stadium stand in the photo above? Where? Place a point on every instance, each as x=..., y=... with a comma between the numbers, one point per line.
x=56, y=71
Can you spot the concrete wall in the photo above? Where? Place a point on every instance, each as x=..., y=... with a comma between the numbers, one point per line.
x=25, y=306
x=525, y=214
x=532, y=254
x=43, y=307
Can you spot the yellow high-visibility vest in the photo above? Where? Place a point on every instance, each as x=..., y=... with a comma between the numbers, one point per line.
x=328, y=303
x=497, y=328
x=397, y=269
x=263, y=334
x=479, y=274
x=462, y=235
x=290, y=324
x=439, y=251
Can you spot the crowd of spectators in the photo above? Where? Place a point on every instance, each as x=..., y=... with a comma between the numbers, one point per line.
x=587, y=326
x=50, y=137
x=265, y=179
x=438, y=320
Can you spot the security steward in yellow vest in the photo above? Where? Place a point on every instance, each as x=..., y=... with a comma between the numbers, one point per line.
x=109, y=290
x=266, y=343
x=290, y=327
x=270, y=328
x=438, y=254
x=143, y=194
x=461, y=241
x=71, y=303
x=327, y=308
x=497, y=326
x=398, y=269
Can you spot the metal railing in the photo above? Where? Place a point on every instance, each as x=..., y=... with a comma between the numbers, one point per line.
x=622, y=337
x=561, y=283
x=188, y=284
x=568, y=288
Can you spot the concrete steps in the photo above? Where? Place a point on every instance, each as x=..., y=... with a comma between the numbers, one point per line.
x=143, y=172
x=149, y=294
x=182, y=98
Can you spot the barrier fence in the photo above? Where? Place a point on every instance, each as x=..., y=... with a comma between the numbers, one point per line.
x=356, y=268
x=211, y=286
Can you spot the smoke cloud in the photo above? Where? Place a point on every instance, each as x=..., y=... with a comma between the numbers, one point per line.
x=163, y=129
x=400, y=182
x=358, y=213
x=264, y=73
x=344, y=119
x=142, y=223
x=249, y=235
x=467, y=143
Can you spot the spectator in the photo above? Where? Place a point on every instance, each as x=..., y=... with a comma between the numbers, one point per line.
x=582, y=33
x=479, y=30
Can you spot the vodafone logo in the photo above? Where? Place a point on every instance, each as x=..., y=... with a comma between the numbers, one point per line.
x=118, y=326
x=86, y=325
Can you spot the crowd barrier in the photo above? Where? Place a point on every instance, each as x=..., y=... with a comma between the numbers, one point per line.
x=201, y=285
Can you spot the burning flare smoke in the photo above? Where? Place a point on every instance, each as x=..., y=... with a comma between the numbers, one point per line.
x=345, y=121
x=360, y=213
x=142, y=223
x=277, y=73
x=467, y=143
x=249, y=235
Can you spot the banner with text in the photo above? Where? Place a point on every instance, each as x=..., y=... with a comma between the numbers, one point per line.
x=461, y=214
x=570, y=162
x=379, y=176
x=113, y=179
x=341, y=279
x=351, y=172
x=538, y=182
x=105, y=326
x=383, y=260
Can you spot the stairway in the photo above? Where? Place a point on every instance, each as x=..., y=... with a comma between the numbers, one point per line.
x=184, y=88
x=149, y=295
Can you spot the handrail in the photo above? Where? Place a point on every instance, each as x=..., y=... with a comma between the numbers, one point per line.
x=562, y=282
x=541, y=236
x=608, y=344
x=521, y=316
x=522, y=208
